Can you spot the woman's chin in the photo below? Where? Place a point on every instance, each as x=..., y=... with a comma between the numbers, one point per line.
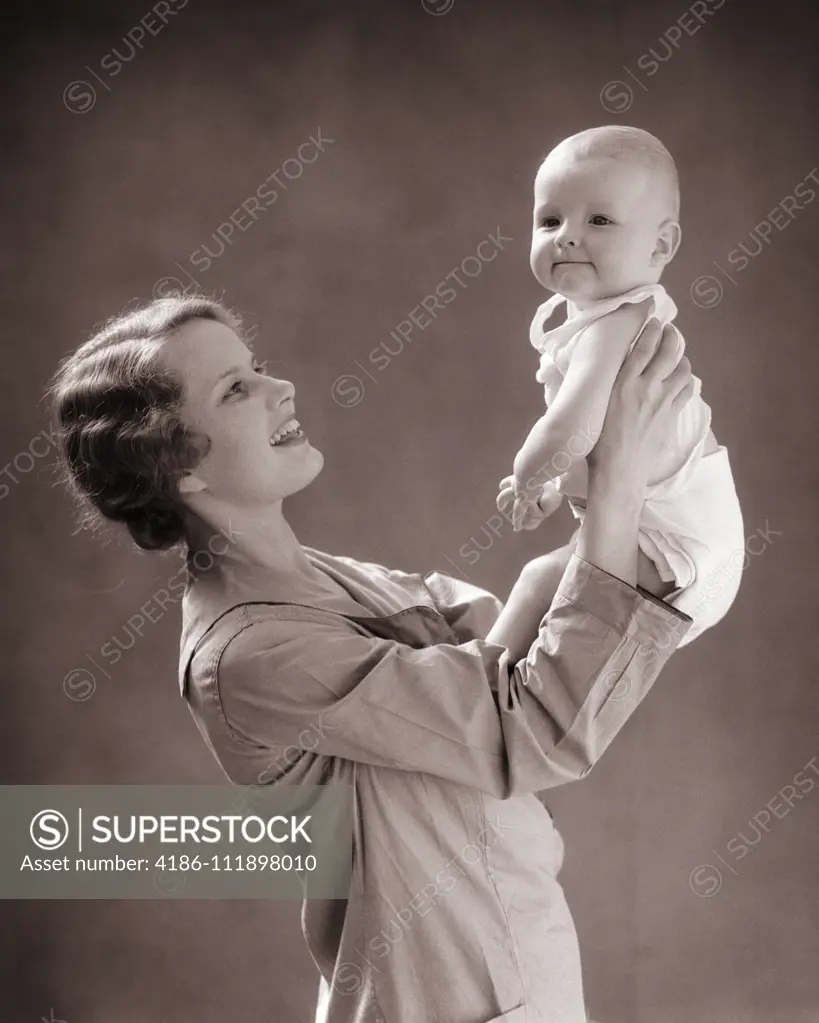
x=314, y=459
x=295, y=481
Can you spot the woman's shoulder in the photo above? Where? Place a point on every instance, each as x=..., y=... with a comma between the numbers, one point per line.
x=248, y=631
x=269, y=640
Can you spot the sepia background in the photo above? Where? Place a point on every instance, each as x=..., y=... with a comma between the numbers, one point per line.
x=691, y=875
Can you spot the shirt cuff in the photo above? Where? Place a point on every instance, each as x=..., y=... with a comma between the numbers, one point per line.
x=617, y=603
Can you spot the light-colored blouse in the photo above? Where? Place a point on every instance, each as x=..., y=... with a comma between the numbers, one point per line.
x=455, y=913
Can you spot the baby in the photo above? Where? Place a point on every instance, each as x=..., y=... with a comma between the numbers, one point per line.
x=605, y=225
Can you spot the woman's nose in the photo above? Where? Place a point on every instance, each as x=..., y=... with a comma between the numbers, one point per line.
x=279, y=392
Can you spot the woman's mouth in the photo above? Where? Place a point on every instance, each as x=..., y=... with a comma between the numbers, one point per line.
x=288, y=433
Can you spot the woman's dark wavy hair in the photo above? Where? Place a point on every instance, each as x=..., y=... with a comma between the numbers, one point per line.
x=123, y=447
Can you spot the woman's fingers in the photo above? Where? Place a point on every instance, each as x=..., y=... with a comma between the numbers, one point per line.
x=667, y=354
x=685, y=393
x=682, y=397
x=678, y=378
x=644, y=348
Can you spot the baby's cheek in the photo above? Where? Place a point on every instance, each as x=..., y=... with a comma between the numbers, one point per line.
x=541, y=262
x=613, y=272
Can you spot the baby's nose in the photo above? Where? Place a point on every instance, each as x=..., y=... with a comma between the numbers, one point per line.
x=567, y=236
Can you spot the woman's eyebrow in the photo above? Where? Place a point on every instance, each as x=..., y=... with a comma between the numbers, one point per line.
x=227, y=373
x=233, y=369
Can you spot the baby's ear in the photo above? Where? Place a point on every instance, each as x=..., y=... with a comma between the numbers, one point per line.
x=668, y=241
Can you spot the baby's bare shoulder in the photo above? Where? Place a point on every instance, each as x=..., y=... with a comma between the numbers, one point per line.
x=620, y=326
x=629, y=314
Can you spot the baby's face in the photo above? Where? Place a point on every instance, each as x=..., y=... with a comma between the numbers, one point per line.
x=595, y=230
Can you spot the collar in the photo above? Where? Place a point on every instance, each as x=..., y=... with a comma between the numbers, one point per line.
x=227, y=584
x=662, y=306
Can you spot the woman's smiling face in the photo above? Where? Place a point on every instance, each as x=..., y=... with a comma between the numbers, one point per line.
x=231, y=400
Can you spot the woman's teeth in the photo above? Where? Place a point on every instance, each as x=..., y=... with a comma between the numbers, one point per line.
x=288, y=429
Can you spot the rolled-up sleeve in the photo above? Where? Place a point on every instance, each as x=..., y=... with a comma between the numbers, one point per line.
x=465, y=712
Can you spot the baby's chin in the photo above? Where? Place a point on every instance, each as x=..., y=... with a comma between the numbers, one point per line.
x=582, y=288
x=576, y=283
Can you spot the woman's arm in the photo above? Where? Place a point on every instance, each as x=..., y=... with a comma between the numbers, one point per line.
x=300, y=688
x=470, y=713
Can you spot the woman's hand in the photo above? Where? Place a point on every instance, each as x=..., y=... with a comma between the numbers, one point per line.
x=652, y=386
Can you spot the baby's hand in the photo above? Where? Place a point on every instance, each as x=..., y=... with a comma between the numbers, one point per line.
x=527, y=511
x=549, y=499
x=514, y=501
x=506, y=495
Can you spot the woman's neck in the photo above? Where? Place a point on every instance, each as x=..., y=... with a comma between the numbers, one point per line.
x=260, y=537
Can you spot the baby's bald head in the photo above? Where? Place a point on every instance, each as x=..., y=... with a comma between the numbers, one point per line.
x=632, y=146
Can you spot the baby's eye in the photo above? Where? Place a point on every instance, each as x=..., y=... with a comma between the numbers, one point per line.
x=600, y=221
x=260, y=367
x=549, y=222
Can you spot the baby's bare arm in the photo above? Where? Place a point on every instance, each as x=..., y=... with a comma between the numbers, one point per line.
x=520, y=618
x=531, y=597
x=572, y=424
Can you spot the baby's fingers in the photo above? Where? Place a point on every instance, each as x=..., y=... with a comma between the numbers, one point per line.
x=550, y=500
x=519, y=512
x=534, y=516
x=505, y=499
x=532, y=521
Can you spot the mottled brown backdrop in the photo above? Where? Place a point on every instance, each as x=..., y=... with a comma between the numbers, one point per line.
x=119, y=165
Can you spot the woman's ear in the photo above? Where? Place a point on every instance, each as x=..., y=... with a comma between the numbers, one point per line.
x=191, y=484
x=668, y=241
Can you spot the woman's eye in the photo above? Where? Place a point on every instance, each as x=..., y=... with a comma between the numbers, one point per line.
x=258, y=367
x=599, y=220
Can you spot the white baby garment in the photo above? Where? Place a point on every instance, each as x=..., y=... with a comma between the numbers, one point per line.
x=691, y=524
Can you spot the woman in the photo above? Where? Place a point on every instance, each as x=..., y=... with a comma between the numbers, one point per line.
x=445, y=712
